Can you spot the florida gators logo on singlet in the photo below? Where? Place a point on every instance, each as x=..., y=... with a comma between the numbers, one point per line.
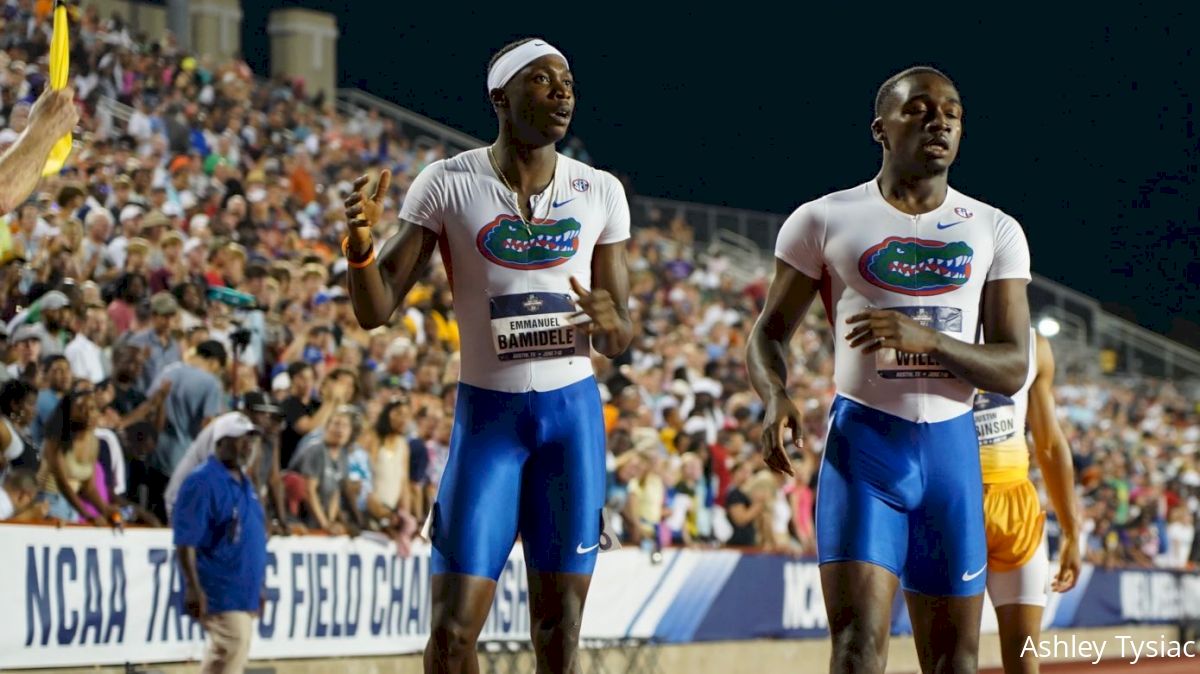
x=920, y=267
x=506, y=242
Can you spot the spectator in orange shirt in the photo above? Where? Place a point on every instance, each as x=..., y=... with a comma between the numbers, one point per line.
x=303, y=186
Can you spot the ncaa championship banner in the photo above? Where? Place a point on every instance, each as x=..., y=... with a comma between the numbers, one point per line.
x=82, y=597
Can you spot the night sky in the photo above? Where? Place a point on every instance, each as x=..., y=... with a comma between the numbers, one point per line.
x=1083, y=127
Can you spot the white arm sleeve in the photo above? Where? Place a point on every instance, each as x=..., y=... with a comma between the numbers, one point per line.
x=617, y=227
x=801, y=241
x=425, y=201
x=1012, y=251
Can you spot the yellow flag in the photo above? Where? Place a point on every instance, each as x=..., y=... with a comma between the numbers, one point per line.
x=60, y=66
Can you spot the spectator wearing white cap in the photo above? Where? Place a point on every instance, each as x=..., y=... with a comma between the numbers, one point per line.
x=399, y=362
x=26, y=344
x=221, y=544
x=281, y=385
x=131, y=225
x=49, y=315
x=198, y=227
x=264, y=470
x=195, y=256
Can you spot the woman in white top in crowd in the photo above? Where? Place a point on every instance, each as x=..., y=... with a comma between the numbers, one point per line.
x=18, y=402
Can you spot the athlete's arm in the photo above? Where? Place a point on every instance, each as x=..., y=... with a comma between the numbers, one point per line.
x=788, y=299
x=999, y=365
x=1053, y=455
x=378, y=287
x=608, y=302
x=1002, y=362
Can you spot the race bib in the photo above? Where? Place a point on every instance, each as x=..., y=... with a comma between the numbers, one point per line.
x=533, y=325
x=893, y=364
x=995, y=418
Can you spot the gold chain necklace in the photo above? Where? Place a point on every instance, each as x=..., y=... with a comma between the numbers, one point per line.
x=515, y=194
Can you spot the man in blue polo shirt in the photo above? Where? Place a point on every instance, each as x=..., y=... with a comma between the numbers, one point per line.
x=221, y=545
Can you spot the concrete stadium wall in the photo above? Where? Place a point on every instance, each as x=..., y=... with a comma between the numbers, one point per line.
x=303, y=41
x=304, y=44
x=150, y=20
x=216, y=25
x=701, y=658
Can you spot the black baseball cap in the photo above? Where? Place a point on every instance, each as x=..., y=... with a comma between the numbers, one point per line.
x=258, y=401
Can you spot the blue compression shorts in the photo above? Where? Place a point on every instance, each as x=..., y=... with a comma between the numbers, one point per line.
x=906, y=496
x=522, y=463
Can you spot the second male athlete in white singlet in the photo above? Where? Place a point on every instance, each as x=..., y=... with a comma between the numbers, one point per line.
x=904, y=264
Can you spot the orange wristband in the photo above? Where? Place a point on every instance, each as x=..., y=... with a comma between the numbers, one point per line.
x=356, y=265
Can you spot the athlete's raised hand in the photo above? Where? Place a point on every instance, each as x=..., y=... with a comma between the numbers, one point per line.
x=1068, y=565
x=364, y=212
x=885, y=329
x=597, y=305
x=781, y=413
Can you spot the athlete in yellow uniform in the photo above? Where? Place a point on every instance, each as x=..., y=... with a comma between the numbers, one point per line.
x=1018, y=565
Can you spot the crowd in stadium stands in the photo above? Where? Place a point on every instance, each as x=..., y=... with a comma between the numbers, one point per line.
x=187, y=263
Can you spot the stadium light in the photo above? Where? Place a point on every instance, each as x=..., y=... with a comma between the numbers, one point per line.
x=1048, y=327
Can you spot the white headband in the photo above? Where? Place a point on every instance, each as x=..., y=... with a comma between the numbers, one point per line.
x=515, y=59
